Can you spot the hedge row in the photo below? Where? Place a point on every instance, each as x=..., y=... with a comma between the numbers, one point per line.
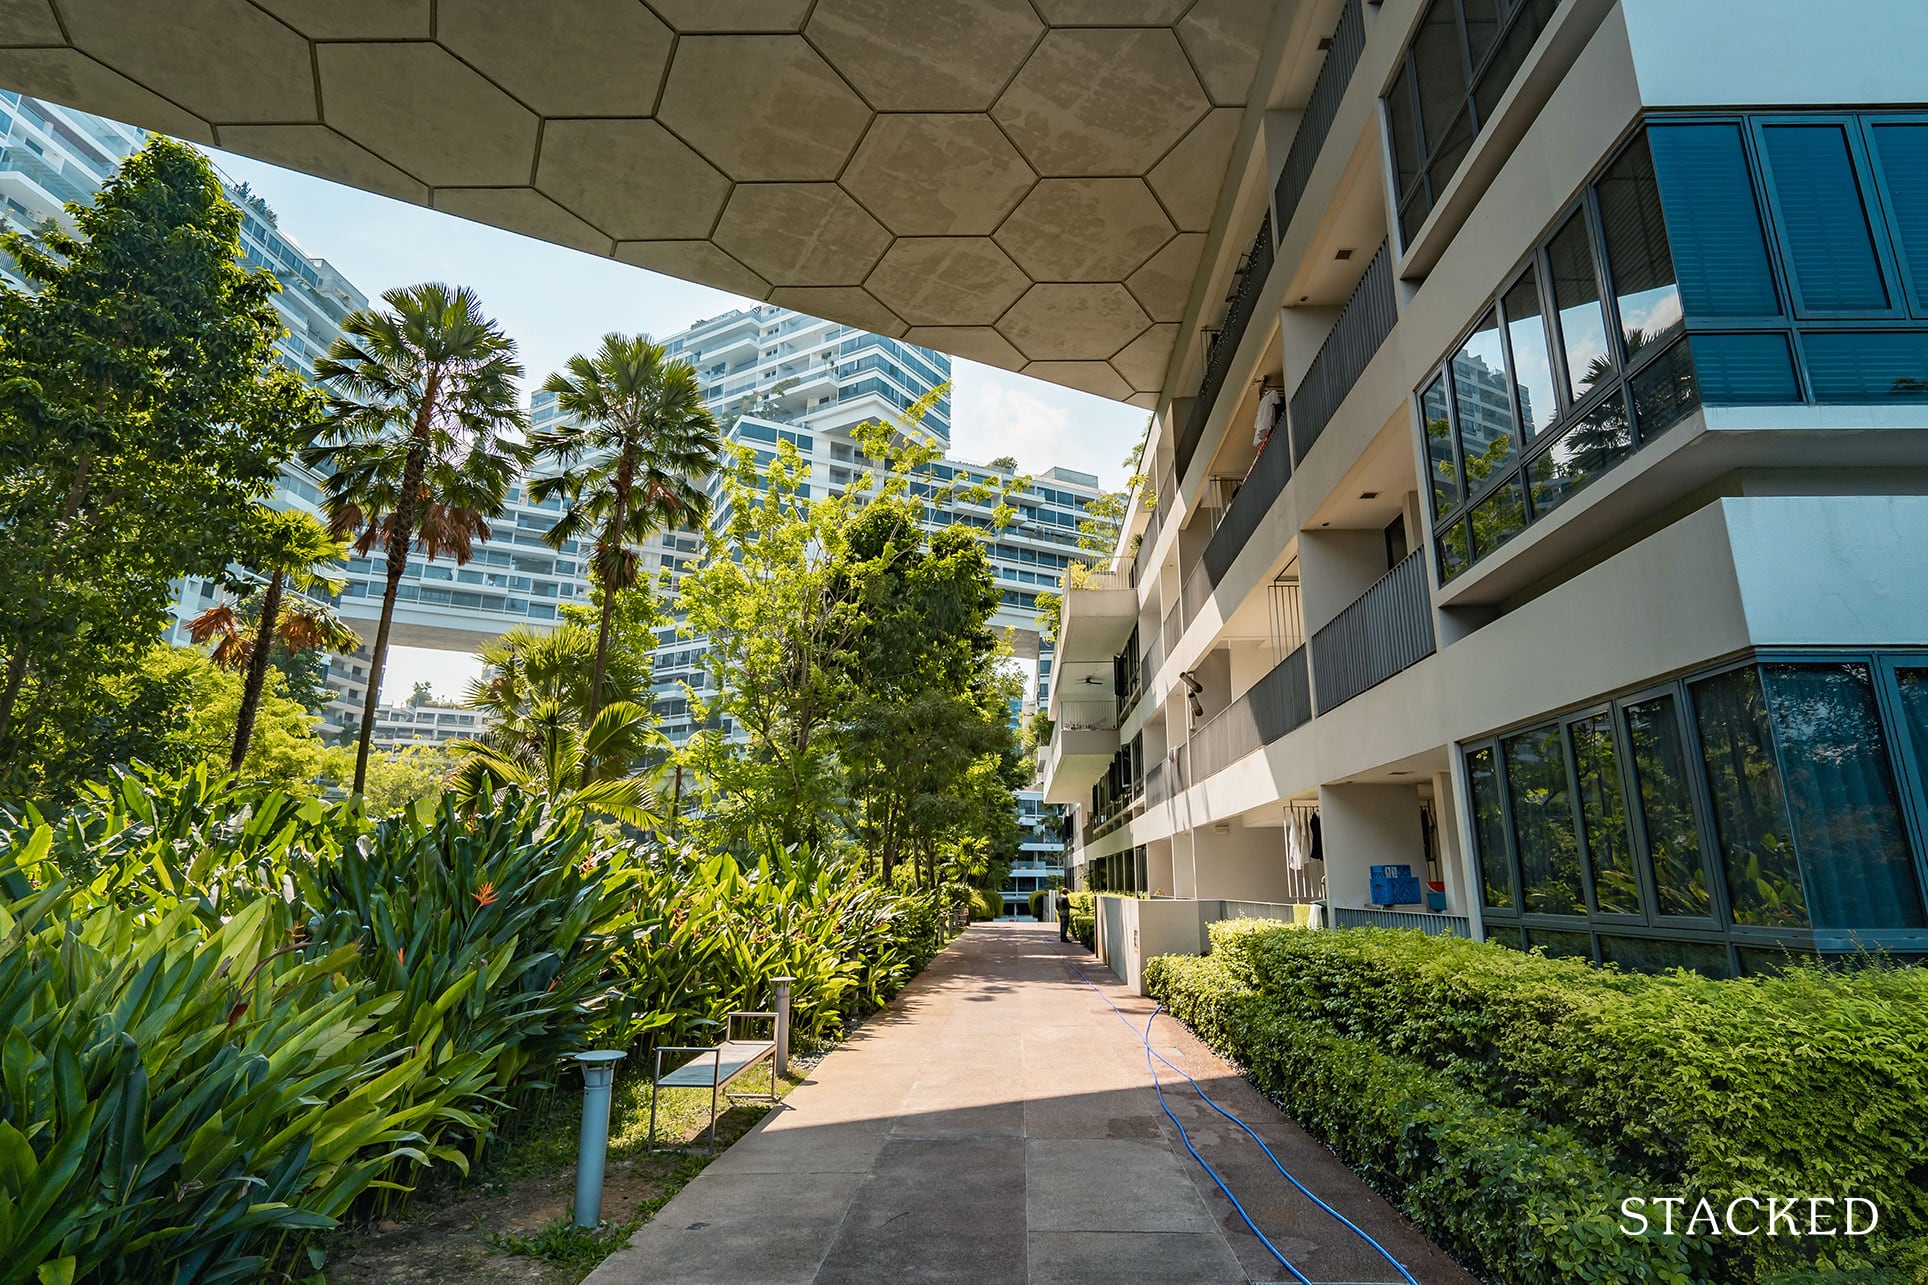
x=1808, y=1083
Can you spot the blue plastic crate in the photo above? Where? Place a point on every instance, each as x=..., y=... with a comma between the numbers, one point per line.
x=1394, y=886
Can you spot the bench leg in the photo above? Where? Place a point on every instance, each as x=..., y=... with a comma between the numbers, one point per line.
x=713, y=1091
x=655, y=1088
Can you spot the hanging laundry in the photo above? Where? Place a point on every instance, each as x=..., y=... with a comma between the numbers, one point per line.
x=1268, y=415
x=1294, y=840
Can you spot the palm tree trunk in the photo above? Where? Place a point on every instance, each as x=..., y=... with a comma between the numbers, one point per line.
x=257, y=671
x=609, y=591
x=397, y=552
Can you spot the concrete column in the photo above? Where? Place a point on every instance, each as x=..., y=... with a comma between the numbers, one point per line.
x=1454, y=868
x=1364, y=826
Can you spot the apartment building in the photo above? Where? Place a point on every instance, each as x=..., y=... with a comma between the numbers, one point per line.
x=400, y=727
x=1537, y=552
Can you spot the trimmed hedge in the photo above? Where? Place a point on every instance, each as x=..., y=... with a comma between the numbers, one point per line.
x=1084, y=921
x=1808, y=1083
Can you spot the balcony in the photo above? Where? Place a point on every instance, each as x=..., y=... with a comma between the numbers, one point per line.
x=1387, y=628
x=1241, y=302
x=1080, y=751
x=1277, y=704
x=1335, y=73
x=1099, y=612
x=1354, y=340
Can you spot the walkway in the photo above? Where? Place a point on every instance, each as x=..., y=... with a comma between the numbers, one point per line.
x=997, y=1125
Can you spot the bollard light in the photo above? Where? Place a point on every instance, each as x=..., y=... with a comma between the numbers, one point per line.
x=598, y=1073
x=780, y=1001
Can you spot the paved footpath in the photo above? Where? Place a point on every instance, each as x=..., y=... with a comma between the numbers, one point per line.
x=997, y=1125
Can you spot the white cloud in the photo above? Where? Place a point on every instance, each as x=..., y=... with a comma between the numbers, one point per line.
x=995, y=412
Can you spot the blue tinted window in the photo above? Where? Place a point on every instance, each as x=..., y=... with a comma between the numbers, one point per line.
x=1739, y=370
x=1901, y=154
x=1847, y=366
x=1713, y=221
x=1824, y=225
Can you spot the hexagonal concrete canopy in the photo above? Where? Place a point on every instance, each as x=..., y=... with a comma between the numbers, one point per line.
x=1022, y=182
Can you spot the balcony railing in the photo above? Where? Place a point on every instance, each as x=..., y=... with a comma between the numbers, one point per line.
x=1096, y=581
x=1157, y=788
x=1387, y=628
x=1430, y=924
x=1276, y=704
x=1269, y=474
x=1368, y=318
x=1240, y=305
x=1348, y=42
x=1149, y=663
x=1088, y=716
x=1173, y=629
x=1195, y=592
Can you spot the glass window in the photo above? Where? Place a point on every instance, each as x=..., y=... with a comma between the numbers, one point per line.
x=1844, y=366
x=1499, y=517
x=1588, y=449
x=1603, y=816
x=1576, y=295
x=1842, y=798
x=1482, y=25
x=1439, y=448
x=1441, y=69
x=1643, y=955
x=1557, y=944
x=1901, y=158
x=1482, y=403
x=1536, y=785
x=1405, y=130
x=1750, y=815
x=1529, y=21
x=1455, y=552
x=1637, y=256
x=1664, y=393
x=1532, y=364
x=1743, y=370
x=1449, y=151
x=1824, y=226
x=1666, y=808
x=1713, y=220
x=1489, y=831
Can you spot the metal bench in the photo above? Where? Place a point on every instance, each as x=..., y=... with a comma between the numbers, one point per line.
x=716, y=1068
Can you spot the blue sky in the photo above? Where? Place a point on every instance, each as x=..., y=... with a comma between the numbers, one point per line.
x=557, y=302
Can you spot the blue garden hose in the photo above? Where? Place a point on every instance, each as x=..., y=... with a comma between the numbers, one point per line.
x=1150, y=1053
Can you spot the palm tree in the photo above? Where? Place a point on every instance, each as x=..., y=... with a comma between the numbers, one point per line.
x=420, y=393
x=554, y=762
x=633, y=463
x=293, y=550
x=529, y=671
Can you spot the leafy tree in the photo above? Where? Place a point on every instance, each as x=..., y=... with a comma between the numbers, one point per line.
x=142, y=412
x=632, y=462
x=527, y=670
x=292, y=548
x=421, y=393
x=397, y=780
x=555, y=761
x=421, y=694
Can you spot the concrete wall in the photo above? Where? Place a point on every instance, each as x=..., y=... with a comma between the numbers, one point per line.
x=1364, y=826
x=1717, y=53
x=1243, y=864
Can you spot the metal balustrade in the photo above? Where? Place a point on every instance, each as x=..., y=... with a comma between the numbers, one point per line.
x=1431, y=924
x=1195, y=592
x=1276, y=704
x=1172, y=629
x=1387, y=628
x=1087, y=716
x=1363, y=325
x=1269, y=474
x=1224, y=342
x=1157, y=790
x=1335, y=73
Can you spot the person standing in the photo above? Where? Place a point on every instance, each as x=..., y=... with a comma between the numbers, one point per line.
x=1063, y=906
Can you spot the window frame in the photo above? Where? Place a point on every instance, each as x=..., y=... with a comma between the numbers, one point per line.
x=1616, y=734
x=1874, y=213
x=1866, y=123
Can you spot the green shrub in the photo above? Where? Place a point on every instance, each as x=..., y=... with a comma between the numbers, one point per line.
x=1810, y=1082
x=1037, y=902
x=1084, y=921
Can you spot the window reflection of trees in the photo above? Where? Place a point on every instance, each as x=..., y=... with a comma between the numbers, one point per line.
x=1543, y=822
x=1489, y=828
x=1750, y=816
x=1666, y=808
x=1596, y=764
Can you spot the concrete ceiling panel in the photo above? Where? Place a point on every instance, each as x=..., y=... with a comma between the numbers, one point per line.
x=631, y=178
x=418, y=108
x=698, y=261
x=1111, y=13
x=316, y=149
x=801, y=234
x=973, y=343
x=1188, y=179
x=762, y=108
x=851, y=305
x=936, y=175
x=524, y=210
x=29, y=22
x=1054, y=322
x=223, y=60
x=732, y=15
x=354, y=19
x=69, y=76
x=1101, y=101
x=1223, y=37
x=1085, y=229
x=1094, y=377
x=1143, y=401
x=582, y=58
x=1163, y=285
x=1142, y=361
x=947, y=280
x=916, y=56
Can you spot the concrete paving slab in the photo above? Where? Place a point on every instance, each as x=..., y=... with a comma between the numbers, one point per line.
x=997, y=1124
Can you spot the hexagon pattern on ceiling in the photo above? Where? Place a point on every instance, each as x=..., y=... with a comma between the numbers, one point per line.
x=1020, y=182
